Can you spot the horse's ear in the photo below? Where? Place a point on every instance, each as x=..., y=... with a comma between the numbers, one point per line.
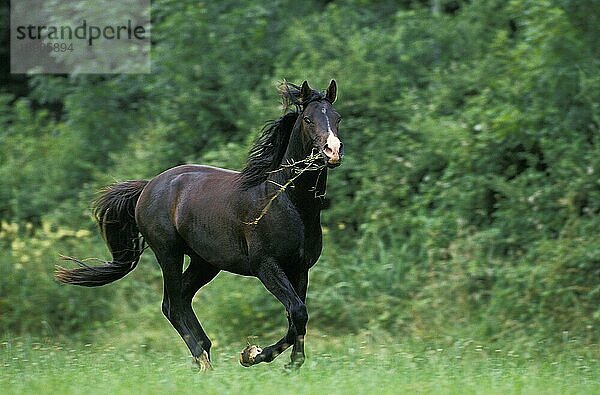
x=331, y=92
x=305, y=91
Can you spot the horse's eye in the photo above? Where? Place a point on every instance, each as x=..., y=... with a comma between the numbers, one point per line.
x=307, y=120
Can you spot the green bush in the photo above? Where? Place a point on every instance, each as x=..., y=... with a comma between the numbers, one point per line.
x=30, y=300
x=467, y=203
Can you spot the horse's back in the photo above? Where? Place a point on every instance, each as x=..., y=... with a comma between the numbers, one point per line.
x=198, y=205
x=168, y=186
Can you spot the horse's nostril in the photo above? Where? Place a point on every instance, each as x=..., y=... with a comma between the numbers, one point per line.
x=327, y=150
x=341, y=149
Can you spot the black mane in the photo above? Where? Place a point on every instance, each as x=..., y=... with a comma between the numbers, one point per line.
x=268, y=151
x=291, y=95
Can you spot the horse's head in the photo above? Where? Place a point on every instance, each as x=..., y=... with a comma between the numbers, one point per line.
x=319, y=123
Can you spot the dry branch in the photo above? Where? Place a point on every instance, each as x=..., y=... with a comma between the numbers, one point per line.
x=310, y=166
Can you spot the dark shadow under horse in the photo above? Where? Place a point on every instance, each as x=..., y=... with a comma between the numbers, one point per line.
x=263, y=221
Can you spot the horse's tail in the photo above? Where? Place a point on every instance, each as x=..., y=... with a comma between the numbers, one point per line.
x=114, y=211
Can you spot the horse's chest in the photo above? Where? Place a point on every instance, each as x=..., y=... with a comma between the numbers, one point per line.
x=290, y=240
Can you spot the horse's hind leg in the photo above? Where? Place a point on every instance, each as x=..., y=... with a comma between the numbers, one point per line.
x=180, y=314
x=198, y=274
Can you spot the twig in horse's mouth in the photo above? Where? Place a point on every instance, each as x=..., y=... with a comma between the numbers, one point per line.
x=310, y=166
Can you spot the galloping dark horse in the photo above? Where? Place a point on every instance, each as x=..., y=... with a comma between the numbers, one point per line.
x=263, y=221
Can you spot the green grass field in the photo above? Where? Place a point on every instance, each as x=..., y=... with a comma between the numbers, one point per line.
x=347, y=365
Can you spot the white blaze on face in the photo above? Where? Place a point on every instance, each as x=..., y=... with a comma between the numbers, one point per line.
x=332, y=147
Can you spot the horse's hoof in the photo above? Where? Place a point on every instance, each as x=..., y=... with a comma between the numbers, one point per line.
x=294, y=365
x=203, y=362
x=248, y=355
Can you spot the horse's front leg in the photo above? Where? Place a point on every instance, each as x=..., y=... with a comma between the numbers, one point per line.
x=276, y=281
x=297, y=358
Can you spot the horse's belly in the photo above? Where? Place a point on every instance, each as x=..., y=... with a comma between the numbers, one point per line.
x=223, y=250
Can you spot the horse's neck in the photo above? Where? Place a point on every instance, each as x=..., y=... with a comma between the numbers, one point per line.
x=307, y=189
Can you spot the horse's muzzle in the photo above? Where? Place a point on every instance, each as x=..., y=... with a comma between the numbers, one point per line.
x=333, y=151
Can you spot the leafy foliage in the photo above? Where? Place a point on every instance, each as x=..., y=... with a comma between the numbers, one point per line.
x=469, y=197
